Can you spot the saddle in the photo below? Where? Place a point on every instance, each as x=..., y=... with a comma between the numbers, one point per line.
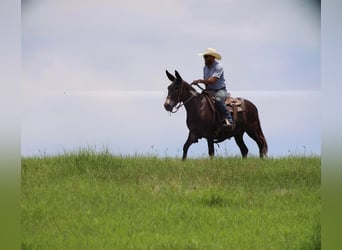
x=231, y=102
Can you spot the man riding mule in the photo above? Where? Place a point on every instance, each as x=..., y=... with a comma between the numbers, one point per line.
x=213, y=78
x=201, y=122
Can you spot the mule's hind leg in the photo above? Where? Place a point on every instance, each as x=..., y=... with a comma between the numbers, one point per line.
x=211, y=149
x=243, y=148
x=259, y=138
x=191, y=139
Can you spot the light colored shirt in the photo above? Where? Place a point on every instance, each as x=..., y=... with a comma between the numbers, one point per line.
x=216, y=70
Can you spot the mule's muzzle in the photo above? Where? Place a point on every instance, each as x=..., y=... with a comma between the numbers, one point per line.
x=169, y=104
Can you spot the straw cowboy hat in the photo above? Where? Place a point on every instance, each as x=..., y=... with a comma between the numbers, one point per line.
x=211, y=52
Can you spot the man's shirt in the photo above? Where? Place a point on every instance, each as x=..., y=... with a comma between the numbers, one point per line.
x=215, y=70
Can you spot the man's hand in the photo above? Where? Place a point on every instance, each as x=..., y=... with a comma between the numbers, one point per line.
x=211, y=80
x=195, y=82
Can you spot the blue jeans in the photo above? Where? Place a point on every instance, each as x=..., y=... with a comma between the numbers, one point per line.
x=220, y=98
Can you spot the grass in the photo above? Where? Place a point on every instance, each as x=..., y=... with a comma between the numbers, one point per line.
x=88, y=200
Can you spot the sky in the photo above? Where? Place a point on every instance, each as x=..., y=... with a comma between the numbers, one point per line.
x=93, y=72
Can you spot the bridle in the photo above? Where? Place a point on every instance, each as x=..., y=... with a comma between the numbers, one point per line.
x=181, y=104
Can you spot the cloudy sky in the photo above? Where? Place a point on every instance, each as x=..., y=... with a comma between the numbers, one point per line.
x=93, y=72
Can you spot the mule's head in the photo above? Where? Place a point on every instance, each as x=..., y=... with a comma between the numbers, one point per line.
x=174, y=91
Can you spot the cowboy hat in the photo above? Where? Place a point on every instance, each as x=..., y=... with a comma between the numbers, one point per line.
x=211, y=52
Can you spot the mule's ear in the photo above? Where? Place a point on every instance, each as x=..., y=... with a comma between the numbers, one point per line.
x=178, y=75
x=171, y=77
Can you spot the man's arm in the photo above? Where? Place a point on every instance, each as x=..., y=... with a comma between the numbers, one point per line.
x=210, y=80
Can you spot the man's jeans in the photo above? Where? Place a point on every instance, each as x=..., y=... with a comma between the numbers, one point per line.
x=220, y=97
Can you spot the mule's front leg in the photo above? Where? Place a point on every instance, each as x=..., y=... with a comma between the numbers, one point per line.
x=211, y=149
x=191, y=139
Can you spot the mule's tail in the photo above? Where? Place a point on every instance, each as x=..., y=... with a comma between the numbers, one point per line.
x=255, y=130
x=264, y=147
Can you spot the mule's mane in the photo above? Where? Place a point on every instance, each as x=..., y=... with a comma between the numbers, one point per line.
x=188, y=86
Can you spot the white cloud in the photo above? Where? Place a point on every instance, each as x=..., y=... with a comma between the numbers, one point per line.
x=129, y=44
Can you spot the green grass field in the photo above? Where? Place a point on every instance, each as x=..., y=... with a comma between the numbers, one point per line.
x=89, y=200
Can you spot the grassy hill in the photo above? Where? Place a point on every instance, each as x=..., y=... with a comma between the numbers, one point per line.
x=89, y=200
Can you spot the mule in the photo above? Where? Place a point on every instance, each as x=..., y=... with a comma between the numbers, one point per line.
x=203, y=121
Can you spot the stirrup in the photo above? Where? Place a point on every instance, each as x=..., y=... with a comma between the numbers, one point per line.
x=226, y=123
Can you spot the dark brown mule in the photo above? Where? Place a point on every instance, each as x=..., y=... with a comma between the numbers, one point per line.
x=203, y=123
